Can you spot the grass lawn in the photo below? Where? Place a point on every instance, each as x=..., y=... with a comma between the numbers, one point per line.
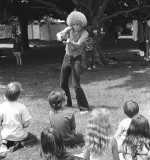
x=105, y=87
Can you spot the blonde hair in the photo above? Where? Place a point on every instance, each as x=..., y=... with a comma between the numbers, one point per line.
x=13, y=91
x=97, y=132
x=76, y=18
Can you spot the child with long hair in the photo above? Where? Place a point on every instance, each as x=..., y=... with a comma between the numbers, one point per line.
x=52, y=147
x=136, y=145
x=99, y=145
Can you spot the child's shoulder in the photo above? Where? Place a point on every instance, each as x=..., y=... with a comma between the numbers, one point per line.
x=17, y=104
x=125, y=122
x=3, y=105
x=65, y=112
x=68, y=111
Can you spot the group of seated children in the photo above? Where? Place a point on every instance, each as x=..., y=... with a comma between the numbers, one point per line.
x=131, y=141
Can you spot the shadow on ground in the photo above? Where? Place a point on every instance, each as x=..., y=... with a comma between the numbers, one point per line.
x=41, y=69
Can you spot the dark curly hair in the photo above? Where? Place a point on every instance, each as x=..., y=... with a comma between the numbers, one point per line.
x=131, y=108
x=56, y=98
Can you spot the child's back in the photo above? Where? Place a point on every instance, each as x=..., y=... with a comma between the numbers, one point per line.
x=63, y=119
x=13, y=115
x=131, y=109
x=144, y=154
x=108, y=154
x=122, y=128
x=14, y=118
x=98, y=143
x=65, y=122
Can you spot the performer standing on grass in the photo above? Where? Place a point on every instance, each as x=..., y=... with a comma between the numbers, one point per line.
x=76, y=37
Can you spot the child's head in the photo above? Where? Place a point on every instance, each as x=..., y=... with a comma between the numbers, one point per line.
x=139, y=127
x=57, y=100
x=131, y=108
x=51, y=144
x=98, y=130
x=138, y=134
x=13, y=91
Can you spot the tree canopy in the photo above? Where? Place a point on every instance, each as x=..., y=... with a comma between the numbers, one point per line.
x=96, y=11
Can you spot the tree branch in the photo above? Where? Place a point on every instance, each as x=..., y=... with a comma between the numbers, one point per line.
x=53, y=6
x=100, y=13
x=124, y=12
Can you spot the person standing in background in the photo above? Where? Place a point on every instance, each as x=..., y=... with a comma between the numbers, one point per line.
x=17, y=50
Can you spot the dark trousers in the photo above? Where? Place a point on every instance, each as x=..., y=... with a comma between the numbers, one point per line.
x=29, y=140
x=73, y=65
x=142, y=46
x=78, y=139
x=90, y=59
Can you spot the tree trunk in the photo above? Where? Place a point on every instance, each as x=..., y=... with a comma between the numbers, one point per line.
x=24, y=32
x=99, y=16
x=100, y=59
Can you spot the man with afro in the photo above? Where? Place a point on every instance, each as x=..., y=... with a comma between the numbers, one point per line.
x=76, y=37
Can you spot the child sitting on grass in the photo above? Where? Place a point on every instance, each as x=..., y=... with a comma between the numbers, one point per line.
x=131, y=109
x=63, y=119
x=99, y=145
x=14, y=118
x=52, y=147
x=136, y=145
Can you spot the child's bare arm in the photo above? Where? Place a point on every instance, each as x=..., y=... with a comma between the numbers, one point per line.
x=63, y=33
x=119, y=131
x=115, y=149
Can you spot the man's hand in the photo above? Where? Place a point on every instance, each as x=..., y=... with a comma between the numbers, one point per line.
x=67, y=41
x=58, y=35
